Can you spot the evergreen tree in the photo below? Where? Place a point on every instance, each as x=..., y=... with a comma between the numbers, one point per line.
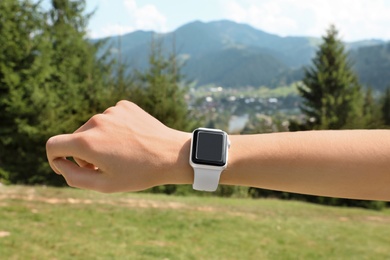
x=24, y=69
x=371, y=112
x=161, y=90
x=77, y=78
x=332, y=99
x=121, y=84
x=386, y=108
x=331, y=92
x=50, y=83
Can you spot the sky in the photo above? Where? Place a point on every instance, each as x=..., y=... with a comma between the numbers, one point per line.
x=355, y=19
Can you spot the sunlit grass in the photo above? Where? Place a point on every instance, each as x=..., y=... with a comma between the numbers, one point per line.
x=52, y=223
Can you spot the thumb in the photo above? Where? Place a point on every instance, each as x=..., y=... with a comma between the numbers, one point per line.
x=78, y=177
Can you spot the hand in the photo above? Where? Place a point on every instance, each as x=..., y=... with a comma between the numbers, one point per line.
x=123, y=149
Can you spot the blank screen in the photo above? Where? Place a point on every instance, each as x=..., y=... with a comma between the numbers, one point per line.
x=210, y=146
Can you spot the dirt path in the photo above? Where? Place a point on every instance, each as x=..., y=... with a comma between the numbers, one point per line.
x=30, y=194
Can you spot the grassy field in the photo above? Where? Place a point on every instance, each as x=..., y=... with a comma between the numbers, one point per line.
x=52, y=223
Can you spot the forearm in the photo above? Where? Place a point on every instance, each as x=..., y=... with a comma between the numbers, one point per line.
x=126, y=149
x=349, y=164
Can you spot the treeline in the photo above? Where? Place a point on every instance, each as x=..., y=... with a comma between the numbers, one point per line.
x=52, y=80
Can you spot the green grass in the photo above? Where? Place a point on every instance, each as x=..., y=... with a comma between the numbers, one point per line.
x=52, y=223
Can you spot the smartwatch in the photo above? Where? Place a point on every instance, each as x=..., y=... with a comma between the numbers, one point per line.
x=208, y=157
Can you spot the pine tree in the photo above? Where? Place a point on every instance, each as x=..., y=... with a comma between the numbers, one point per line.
x=121, y=84
x=330, y=90
x=371, y=111
x=162, y=90
x=77, y=78
x=77, y=81
x=50, y=83
x=332, y=99
x=385, y=107
x=24, y=95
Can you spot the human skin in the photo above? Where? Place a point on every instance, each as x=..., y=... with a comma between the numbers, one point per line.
x=126, y=149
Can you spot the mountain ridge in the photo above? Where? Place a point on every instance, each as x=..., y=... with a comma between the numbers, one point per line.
x=232, y=54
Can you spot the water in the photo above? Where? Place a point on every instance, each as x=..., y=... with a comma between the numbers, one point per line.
x=237, y=123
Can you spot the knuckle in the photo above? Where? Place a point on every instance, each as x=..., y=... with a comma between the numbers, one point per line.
x=84, y=142
x=123, y=103
x=50, y=143
x=109, y=110
x=126, y=103
x=96, y=120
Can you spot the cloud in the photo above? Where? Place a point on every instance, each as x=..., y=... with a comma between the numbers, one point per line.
x=146, y=17
x=110, y=30
x=355, y=19
x=266, y=15
x=132, y=17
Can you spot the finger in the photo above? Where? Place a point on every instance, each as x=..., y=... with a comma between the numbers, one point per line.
x=78, y=177
x=62, y=146
x=85, y=164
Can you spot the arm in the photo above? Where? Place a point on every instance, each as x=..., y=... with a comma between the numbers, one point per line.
x=125, y=149
x=345, y=163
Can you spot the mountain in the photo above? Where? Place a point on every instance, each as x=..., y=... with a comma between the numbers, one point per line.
x=235, y=67
x=199, y=38
x=372, y=65
x=233, y=55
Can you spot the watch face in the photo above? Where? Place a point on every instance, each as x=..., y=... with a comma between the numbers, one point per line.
x=209, y=147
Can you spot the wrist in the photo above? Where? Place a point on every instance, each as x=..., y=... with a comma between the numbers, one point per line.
x=229, y=175
x=178, y=169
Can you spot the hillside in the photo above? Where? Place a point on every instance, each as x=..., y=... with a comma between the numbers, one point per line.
x=233, y=55
x=235, y=67
x=372, y=64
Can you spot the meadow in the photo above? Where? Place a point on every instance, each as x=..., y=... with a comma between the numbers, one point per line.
x=66, y=223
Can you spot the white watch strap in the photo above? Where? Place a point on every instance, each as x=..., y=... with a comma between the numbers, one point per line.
x=206, y=179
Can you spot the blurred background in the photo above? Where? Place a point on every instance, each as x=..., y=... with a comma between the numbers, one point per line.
x=242, y=66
